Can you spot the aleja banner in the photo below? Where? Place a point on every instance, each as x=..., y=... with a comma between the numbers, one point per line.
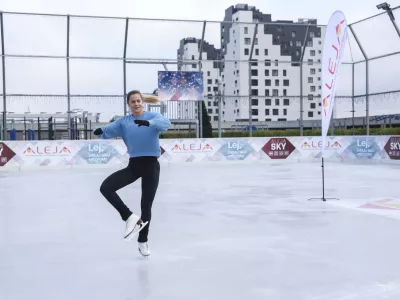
x=332, y=52
x=112, y=152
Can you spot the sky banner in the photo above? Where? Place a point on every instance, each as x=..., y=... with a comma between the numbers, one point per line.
x=334, y=44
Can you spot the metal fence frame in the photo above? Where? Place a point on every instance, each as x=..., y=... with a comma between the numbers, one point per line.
x=166, y=62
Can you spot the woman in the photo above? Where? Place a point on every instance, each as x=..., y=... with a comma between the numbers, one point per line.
x=140, y=133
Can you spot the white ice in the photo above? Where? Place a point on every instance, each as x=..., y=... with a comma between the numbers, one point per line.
x=219, y=231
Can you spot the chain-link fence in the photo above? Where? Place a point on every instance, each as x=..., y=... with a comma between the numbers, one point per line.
x=259, y=74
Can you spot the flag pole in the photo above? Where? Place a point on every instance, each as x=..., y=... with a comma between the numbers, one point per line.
x=334, y=44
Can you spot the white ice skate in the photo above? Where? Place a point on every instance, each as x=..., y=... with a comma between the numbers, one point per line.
x=144, y=249
x=133, y=226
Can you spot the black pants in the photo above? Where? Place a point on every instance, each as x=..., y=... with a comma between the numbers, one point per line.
x=147, y=168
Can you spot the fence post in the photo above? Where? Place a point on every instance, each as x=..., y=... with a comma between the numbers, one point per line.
x=352, y=95
x=4, y=77
x=250, y=104
x=124, y=64
x=200, y=114
x=301, y=80
x=367, y=76
x=68, y=81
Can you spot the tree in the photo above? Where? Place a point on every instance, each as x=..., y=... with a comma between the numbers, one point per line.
x=207, y=128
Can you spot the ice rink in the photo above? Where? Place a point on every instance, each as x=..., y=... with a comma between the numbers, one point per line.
x=219, y=231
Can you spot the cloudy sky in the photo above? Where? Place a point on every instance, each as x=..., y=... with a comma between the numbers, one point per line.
x=47, y=36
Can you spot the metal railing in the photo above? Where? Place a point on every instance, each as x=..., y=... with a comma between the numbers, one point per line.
x=376, y=39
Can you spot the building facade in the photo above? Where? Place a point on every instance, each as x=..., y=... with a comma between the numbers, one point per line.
x=275, y=74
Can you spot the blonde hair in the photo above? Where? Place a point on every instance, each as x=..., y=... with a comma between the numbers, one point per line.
x=147, y=98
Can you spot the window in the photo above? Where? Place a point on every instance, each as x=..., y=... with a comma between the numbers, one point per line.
x=286, y=102
x=254, y=102
x=267, y=102
x=254, y=82
x=247, y=41
x=275, y=93
x=266, y=52
x=312, y=52
x=310, y=80
x=310, y=62
x=275, y=112
x=298, y=43
x=208, y=73
x=246, y=30
x=210, y=110
x=312, y=71
x=286, y=82
x=254, y=92
x=209, y=103
x=284, y=92
x=266, y=92
x=246, y=51
x=209, y=89
x=310, y=43
x=293, y=33
x=312, y=88
x=312, y=34
x=310, y=114
x=257, y=52
x=254, y=72
x=209, y=81
x=254, y=112
x=284, y=72
x=267, y=82
x=312, y=105
x=215, y=118
x=267, y=63
x=285, y=112
x=277, y=102
x=266, y=72
x=310, y=97
x=275, y=73
x=276, y=63
x=276, y=82
x=267, y=112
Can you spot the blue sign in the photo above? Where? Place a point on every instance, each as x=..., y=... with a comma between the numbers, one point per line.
x=236, y=150
x=97, y=153
x=364, y=147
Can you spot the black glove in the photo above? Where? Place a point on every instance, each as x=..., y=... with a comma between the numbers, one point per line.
x=142, y=123
x=98, y=131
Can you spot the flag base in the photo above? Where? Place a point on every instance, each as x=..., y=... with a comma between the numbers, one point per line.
x=323, y=186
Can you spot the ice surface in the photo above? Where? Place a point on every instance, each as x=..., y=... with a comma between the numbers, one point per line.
x=223, y=231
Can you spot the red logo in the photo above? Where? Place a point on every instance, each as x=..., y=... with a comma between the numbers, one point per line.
x=6, y=154
x=278, y=148
x=392, y=148
x=313, y=145
x=194, y=147
x=333, y=67
x=48, y=150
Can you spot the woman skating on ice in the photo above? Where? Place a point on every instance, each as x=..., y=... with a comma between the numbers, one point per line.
x=140, y=133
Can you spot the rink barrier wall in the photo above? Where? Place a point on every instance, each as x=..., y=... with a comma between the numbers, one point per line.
x=113, y=152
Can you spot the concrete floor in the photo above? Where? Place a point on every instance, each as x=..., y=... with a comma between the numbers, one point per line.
x=219, y=231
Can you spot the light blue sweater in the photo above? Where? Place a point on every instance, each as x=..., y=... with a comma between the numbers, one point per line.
x=140, y=141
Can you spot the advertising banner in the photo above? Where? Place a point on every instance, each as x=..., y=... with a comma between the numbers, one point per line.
x=332, y=52
x=109, y=152
x=6, y=154
x=180, y=85
x=363, y=147
x=392, y=147
x=278, y=148
x=238, y=149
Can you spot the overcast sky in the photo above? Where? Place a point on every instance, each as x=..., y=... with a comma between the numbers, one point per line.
x=47, y=36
